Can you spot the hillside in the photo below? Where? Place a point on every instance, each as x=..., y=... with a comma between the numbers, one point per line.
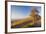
x=23, y=23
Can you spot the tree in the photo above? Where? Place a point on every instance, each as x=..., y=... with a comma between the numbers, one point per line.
x=34, y=13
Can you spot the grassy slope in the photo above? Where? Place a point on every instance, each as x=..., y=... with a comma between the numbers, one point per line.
x=23, y=21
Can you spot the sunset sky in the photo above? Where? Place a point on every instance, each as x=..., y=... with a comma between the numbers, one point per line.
x=20, y=12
